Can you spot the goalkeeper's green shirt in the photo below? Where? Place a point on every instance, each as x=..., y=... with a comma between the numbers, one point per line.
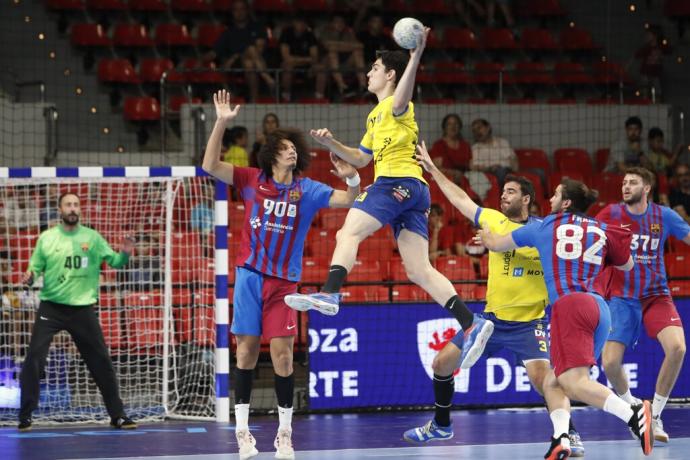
x=71, y=263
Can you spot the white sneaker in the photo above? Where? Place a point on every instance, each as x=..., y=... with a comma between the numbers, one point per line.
x=246, y=444
x=659, y=433
x=283, y=445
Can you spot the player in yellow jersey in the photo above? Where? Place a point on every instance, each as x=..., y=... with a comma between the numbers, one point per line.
x=399, y=196
x=515, y=300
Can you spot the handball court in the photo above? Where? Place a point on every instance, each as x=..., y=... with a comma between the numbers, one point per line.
x=493, y=434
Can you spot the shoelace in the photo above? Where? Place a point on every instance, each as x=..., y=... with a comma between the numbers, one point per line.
x=426, y=429
x=284, y=439
x=574, y=438
x=244, y=437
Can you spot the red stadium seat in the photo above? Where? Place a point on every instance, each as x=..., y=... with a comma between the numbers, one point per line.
x=596, y=208
x=556, y=177
x=107, y=5
x=533, y=159
x=368, y=270
x=144, y=329
x=561, y=100
x=399, y=7
x=208, y=34
x=321, y=244
x=571, y=73
x=89, y=35
x=675, y=245
x=677, y=265
x=466, y=291
x=181, y=297
x=142, y=109
x=198, y=71
x=451, y=72
x=484, y=267
x=538, y=40
x=543, y=8
x=112, y=331
x=148, y=5
x=576, y=39
x=151, y=69
x=456, y=268
x=491, y=73
x=378, y=246
x=608, y=185
x=117, y=71
x=498, y=39
x=572, y=159
x=396, y=270
x=535, y=179
x=190, y=6
x=679, y=288
x=480, y=291
x=439, y=7
x=173, y=35
x=272, y=6
x=177, y=101
x=532, y=73
x=365, y=294
x=601, y=158
x=131, y=35
x=314, y=270
x=460, y=38
x=333, y=219
x=608, y=73
x=409, y=293
x=106, y=300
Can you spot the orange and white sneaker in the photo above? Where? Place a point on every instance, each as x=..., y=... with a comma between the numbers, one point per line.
x=641, y=425
x=283, y=445
x=246, y=444
x=559, y=449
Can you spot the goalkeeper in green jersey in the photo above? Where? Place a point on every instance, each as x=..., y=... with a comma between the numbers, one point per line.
x=69, y=256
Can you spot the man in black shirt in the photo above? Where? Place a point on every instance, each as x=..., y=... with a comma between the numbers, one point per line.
x=374, y=38
x=680, y=194
x=299, y=49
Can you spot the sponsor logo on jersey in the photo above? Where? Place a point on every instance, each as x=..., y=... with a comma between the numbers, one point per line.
x=255, y=222
x=518, y=271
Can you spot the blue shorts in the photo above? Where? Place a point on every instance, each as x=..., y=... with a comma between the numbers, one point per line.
x=259, y=307
x=626, y=321
x=402, y=202
x=527, y=340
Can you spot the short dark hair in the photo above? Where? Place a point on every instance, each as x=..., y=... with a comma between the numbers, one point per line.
x=633, y=121
x=232, y=135
x=63, y=195
x=437, y=208
x=581, y=197
x=526, y=186
x=447, y=118
x=646, y=175
x=654, y=133
x=394, y=60
x=266, y=157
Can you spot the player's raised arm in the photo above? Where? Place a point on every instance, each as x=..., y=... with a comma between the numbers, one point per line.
x=347, y=172
x=351, y=155
x=456, y=195
x=496, y=243
x=224, y=115
x=403, y=91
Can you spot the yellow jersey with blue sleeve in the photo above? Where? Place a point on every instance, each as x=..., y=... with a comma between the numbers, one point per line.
x=516, y=290
x=392, y=140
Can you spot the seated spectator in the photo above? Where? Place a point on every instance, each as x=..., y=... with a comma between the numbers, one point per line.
x=299, y=50
x=269, y=124
x=343, y=50
x=625, y=153
x=651, y=61
x=374, y=38
x=660, y=159
x=440, y=234
x=535, y=209
x=242, y=45
x=491, y=154
x=680, y=193
x=451, y=153
x=681, y=155
x=234, y=149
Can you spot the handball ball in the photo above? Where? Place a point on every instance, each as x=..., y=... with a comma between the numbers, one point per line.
x=406, y=32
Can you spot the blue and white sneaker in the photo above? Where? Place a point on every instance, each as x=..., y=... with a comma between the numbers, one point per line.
x=328, y=304
x=429, y=432
x=577, y=449
x=475, y=341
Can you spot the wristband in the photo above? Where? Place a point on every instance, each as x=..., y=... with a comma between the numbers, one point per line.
x=353, y=181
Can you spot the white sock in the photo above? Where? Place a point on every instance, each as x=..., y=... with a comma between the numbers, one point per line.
x=616, y=406
x=285, y=418
x=658, y=404
x=241, y=417
x=561, y=421
x=627, y=397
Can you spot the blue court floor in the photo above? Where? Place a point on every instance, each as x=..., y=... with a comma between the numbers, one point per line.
x=514, y=434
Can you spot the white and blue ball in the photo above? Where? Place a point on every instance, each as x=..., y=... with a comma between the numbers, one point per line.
x=407, y=31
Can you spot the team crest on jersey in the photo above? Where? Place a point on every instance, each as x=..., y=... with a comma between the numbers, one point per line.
x=294, y=195
x=655, y=228
x=401, y=193
x=85, y=247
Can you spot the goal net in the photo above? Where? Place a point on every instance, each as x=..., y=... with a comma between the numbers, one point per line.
x=157, y=312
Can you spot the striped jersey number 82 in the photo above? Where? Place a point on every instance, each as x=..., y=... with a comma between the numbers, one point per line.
x=569, y=245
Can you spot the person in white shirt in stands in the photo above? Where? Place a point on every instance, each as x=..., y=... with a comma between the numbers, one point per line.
x=491, y=154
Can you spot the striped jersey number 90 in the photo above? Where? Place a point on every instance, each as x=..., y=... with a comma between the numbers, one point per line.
x=569, y=244
x=278, y=208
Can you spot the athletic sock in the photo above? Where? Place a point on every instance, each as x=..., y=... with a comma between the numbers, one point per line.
x=285, y=418
x=241, y=417
x=335, y=280
x=243, y=385
x=458, y=308
x=616, y=406
x=560, y=419
x=444, y=387
x=627, y=397
x=658, y=404
x=285, y=390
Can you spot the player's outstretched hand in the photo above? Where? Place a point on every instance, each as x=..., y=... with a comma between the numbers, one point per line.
x=486, y=238
x=343, y=169
x=323, y=136
x=28, y=278
x=224, y=112
x=421, y=43
x=128, y=243
x=423, y=158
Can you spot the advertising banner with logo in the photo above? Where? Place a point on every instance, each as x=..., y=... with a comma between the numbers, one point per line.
x=381, y=355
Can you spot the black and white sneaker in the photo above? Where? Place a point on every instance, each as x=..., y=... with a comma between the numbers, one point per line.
x=641, y=425
x=123, y=423
x=24, y=424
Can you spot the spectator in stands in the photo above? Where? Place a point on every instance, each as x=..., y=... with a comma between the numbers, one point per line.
x=626, y=152
x=270, y=123
x=342, y=49
x=660, y=159
x=491, y=154
x=234, y=149
x=651, y=61
x=299, y=50
x=535, y=209
x=359, y=9
x=242, y=44
x=374, y=37
x=440, y=234
x=681, y=155
x=680, y=193
x=452, y=153
x=21, y=211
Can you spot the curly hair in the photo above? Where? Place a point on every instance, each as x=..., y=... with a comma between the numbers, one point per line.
x=266, y=157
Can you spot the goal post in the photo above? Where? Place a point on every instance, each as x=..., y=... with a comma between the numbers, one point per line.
x=164, y=315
